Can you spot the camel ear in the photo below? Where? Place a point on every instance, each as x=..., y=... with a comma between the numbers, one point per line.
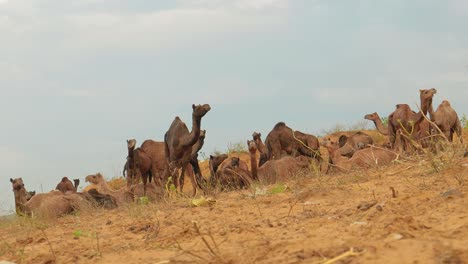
x=193, y=106
x=342, y=140
x=11, y=180
x=211, y=157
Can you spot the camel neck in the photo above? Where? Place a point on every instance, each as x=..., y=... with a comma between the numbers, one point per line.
x=20, y=200
x=192, y=138
x=131, y=152
x=380, y=127
x=253, y=165
x=261, y=147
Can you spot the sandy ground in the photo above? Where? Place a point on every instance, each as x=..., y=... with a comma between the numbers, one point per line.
x=309, y=219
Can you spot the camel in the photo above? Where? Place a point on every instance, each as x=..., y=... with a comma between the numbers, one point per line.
x=194, y=162
x=446, y=119
x=157, y=154
x=278, y=169
x=65, y=185
x=378, y=123
x=179, y=144
x=412, y=124
x=282, y=138
x=229, y=173
x=52, y=204
x=121, y=196
x=349, y=145
x=257, y=137
x=138, y=165
x=364, y=158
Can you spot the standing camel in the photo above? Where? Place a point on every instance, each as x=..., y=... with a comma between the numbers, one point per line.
x=446, y=119
x=179, y=144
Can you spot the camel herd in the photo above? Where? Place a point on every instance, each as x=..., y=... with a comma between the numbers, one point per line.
x=285, y=152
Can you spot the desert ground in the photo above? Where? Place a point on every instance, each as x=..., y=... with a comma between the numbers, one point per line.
x=413, y=211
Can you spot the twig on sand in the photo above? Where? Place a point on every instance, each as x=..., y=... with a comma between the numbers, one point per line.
x=399, y=171
x=350, y=253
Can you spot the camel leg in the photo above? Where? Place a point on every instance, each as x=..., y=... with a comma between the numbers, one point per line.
x=192, y=177
x=201, y=182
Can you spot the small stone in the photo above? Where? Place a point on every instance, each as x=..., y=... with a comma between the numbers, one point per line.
x=379, y=207
x=397, y=236
x=109, y=222
x=359, y=223
x=452, y=193
x=364, y=206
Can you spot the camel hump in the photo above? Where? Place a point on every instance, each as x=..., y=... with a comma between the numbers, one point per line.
x=279, y=124
x=445, y=103
x=64, y=179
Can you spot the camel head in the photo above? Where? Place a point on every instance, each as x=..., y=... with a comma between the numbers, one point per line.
x=256, y=136
x=215, y=161
x=427, y=93
x=200, y=110
x=17, y=184
x=252, y=146
x=131, y=143
x=96, y=178
x=235, y=162
x=330, y=144
x=372, y=117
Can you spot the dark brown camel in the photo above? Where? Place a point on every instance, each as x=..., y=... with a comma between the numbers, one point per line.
x=446, y=120
x=408, y=121
x=257, y=137
x=282, y=139
x=65, y=185
x=179, y=144
x=349, y=145
x=276, y=170
x=138, y=165
x=214, y=164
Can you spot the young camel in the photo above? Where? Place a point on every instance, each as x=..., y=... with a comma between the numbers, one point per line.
x=276, y=170
x=138, y=166
x=364, y=158
x=179, y=144
x=52, y=204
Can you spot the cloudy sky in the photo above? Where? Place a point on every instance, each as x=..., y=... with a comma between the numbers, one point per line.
x=78, y=78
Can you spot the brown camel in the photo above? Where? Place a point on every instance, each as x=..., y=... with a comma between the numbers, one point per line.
x=179, y=144
x=349, y=145
x=121, y=196
x=276, y=170
x=408, y=121
x=377, y=122
x=52, y=204
x=282, y=139
x=138, y=166
x=229, y=173
x=65, y=185
x=367, y=157
x=156, y=152
x=214, y=164
x=446, y=119
x=257, y=137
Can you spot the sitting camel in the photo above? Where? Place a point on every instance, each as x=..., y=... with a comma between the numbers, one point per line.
x=52, y=204
x=179, y=144
x=257, y=137
x=364, y=158
x=276, y=170
x=230, y=173
x=283, y=139
x=446, y=119
x=65, y=185
x=121, y=196
x=349, y=145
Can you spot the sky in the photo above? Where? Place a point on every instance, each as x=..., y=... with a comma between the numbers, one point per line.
x=78, y=78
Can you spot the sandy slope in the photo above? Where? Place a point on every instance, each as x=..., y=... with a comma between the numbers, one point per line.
x=314, y=219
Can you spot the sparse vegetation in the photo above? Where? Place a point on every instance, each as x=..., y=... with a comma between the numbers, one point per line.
x=237, y=147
